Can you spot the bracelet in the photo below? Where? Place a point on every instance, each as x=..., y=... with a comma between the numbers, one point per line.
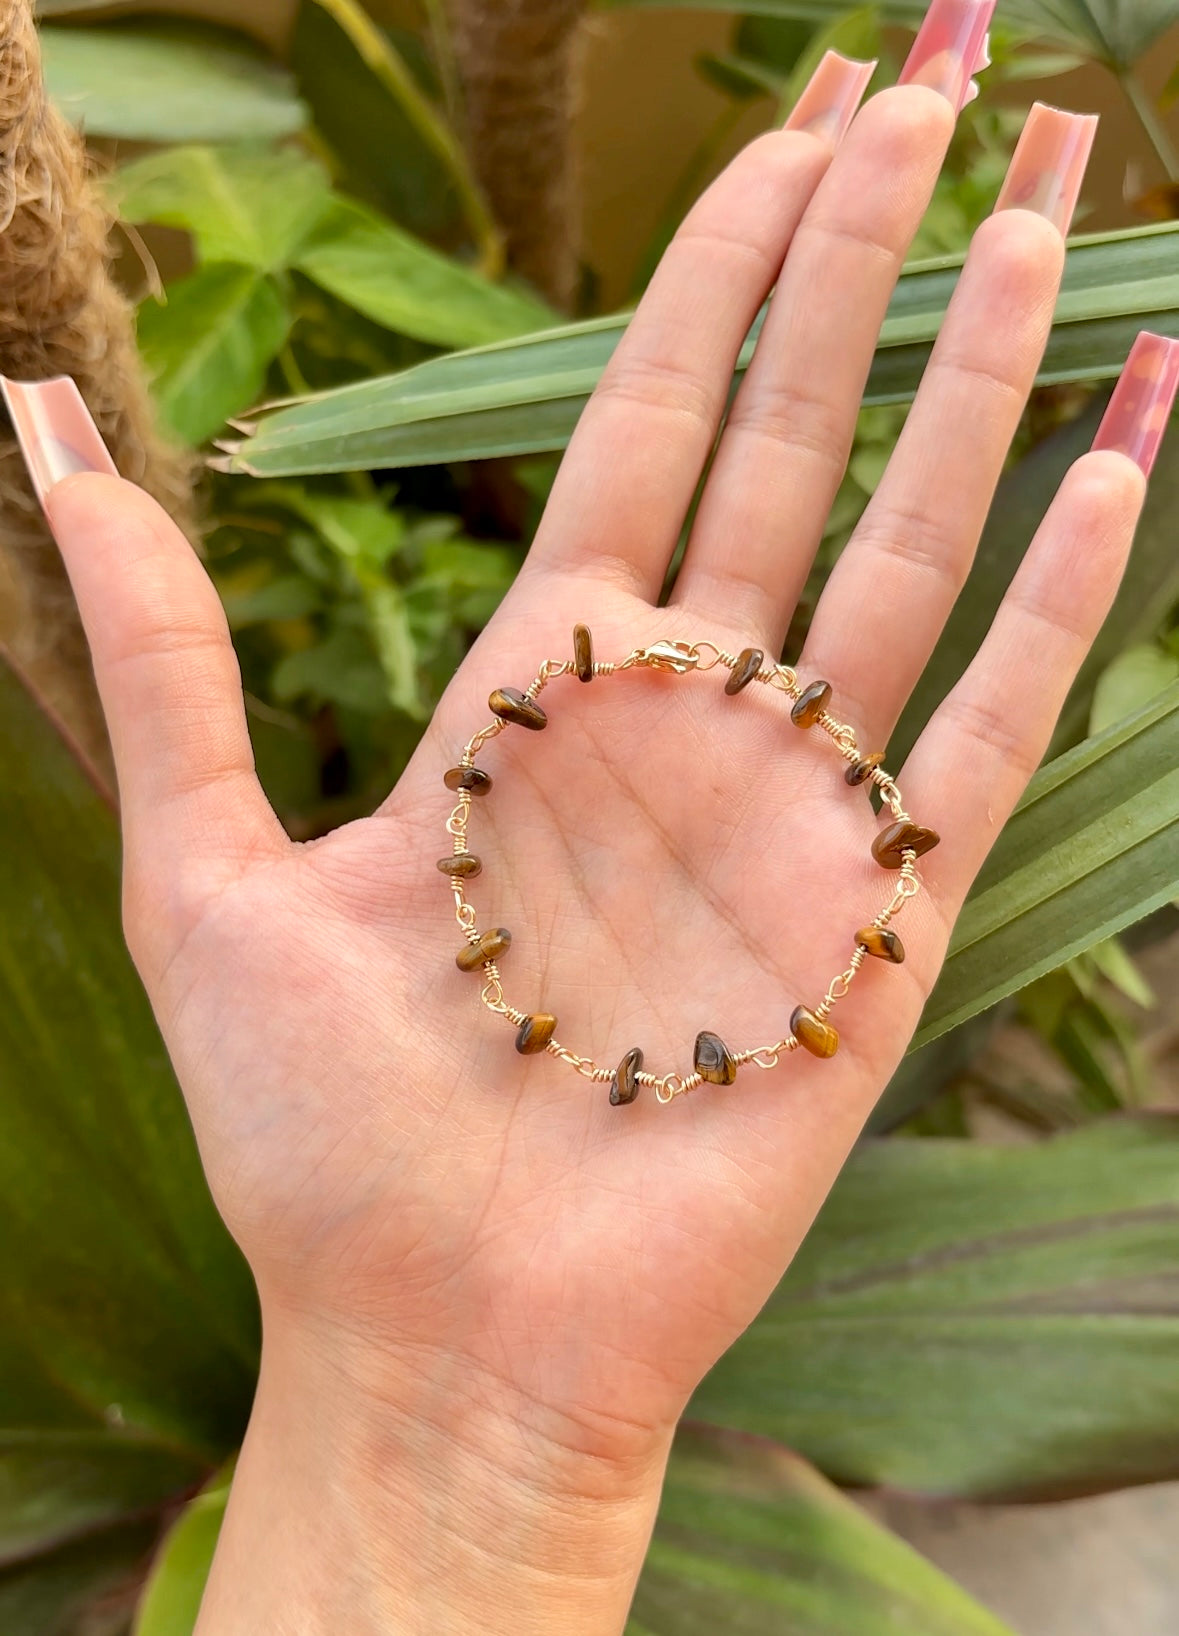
x=896, y=847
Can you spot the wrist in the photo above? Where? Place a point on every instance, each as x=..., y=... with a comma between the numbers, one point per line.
x=387, y=1496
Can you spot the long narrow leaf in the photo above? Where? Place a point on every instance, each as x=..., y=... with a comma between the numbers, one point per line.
x=525, y=395
x=1092, y=848
x=997, y=1322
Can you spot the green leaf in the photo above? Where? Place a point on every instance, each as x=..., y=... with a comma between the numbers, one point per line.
x=244, y=205
x=854, y=33
x=169, y=82
x=525, y=396
x=752, y=1539
x=1111, y=31
x=124, y=1304
x=1132, y=680
x=1092, y=847
x=208, y=348
x=80, y=1589
x=401, y=283
x=172, y=1596
x=995, y=1322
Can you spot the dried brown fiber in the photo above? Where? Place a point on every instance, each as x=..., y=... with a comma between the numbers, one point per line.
x=61, y=314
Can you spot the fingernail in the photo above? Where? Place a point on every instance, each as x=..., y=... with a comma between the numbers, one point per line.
x=950, y=47
x=1141, y=406
x=830, y=97
x=54, y=428
x=1048, y=165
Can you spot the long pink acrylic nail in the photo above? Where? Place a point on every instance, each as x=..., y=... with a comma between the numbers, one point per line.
x=1048, y=165
x=55, y=431
x=830, y=97
x=950, y=47
x=1141, y=406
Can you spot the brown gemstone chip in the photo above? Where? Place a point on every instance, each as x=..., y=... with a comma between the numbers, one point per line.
x=535, y=1033
x=624, y=1087
x=509, y=704
x=489, y=947
x=863, y=769
x=810, y=704
x=461, y=863
x=583, y=653
x=818, y=1037
x=467, y=778
x=749, y=662
x=885, y=945
x=904, y=836
x=713, y=1060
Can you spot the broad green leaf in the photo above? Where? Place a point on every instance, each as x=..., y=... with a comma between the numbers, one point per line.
x=169, y=82
x=1131, y=681
x=61, y=1485
x=525, y=396
x=246, y=205
x=1092, y=848
x=208, y=347
x=995, y=1322
x=172, y=1596
x=84, y=1588
x=1111, y=31
x=398, y=281
x=124, y=1305
x=751, y=1539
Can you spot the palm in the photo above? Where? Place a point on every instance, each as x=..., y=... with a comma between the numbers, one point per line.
x=395, y=1140
x=668, y=859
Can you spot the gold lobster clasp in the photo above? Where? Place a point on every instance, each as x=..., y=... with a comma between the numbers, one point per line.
x=666, y=655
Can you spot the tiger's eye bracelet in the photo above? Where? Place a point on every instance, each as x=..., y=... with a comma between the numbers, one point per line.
x=896, y=847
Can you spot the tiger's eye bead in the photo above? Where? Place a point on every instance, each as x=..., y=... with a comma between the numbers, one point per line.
x=863, y=769
x=749, y=662
x=810, y=704
x=893, y=842
x=885, y=945
x=467, y=778
x=509, y=704
x=624, y=1087
x=535, y=1033
x=713, y=1060
x=461, y=863
x=819, y=1038
x=583, y=653
x=489, y=947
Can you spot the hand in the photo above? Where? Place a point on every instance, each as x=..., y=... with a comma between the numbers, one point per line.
x=487, y=1294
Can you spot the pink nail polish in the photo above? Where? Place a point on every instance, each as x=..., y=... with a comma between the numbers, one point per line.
x=830, y=97
x=1140, y=408
x=950, y=47
x=54, y=428
x=1048, y=165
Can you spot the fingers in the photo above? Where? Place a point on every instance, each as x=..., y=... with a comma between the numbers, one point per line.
x=163, y=661
x=627, y=480
x=975, y=758
x=911, y=553
x=786, y=442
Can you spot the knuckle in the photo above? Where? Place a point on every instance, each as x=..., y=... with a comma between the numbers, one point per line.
x=659, y=384
x=920, y=543
x=986, y=724
x=794, y=417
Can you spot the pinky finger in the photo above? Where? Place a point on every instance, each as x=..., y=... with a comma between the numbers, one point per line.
x=974, y=760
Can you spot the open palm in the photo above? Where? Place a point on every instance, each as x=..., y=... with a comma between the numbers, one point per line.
x=667, y=858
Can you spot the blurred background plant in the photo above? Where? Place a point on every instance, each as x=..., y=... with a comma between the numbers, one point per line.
x=365, y=305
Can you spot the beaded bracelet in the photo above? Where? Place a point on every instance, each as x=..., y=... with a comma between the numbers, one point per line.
x=898, y=846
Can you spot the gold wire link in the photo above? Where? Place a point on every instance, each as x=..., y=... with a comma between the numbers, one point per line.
x=678, y=656
x=720, y=656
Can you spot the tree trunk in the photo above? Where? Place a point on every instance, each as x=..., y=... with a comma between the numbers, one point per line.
x=515, y=61
x=61, y=314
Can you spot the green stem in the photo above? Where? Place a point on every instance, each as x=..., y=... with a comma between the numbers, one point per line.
x=1156, y=131
x=439, y=27
x=389, y=67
